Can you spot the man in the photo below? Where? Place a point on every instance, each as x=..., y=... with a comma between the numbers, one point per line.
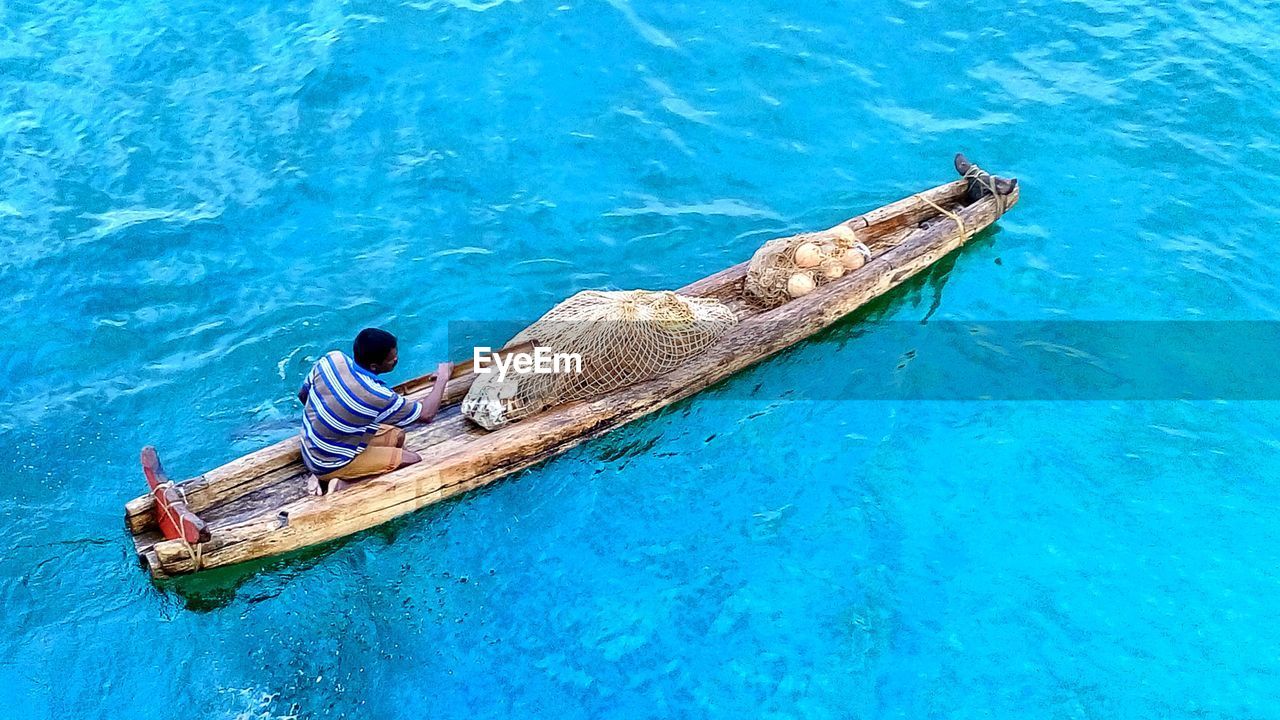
x=351, y=421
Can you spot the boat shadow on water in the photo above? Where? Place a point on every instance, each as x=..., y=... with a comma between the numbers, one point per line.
x=218, y=588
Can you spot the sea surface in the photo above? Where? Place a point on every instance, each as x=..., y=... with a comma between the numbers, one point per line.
x=198, y=199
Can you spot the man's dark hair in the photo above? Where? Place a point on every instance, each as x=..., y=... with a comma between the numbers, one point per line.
x=372, y=346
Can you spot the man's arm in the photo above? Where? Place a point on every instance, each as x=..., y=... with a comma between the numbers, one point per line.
x=402, y=412
x=431, y=403
x=304, y=392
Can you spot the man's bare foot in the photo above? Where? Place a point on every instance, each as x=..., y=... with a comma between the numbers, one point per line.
x=318, y=487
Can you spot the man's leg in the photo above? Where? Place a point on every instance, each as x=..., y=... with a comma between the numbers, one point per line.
x=384, y=453
x=387, y=436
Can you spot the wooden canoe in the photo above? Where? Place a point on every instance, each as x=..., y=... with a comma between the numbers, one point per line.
x=258, y=506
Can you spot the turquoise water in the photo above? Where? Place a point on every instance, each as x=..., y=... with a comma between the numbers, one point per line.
x=198, y=201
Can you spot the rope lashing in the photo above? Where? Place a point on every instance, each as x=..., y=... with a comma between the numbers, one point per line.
x=987, y=181
x=959, y=221
x=195, y=553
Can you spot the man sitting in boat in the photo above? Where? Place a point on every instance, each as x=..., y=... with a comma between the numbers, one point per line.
x=351, y=421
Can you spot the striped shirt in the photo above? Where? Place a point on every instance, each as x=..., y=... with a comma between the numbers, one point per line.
x=345, y=405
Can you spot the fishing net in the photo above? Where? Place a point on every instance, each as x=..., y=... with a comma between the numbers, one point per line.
x=791, y=267
x=621, y=338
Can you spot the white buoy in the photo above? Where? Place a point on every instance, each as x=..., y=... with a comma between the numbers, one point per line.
x=844, y=233
x=807, y=255
x=852, y=259
x=800, y=284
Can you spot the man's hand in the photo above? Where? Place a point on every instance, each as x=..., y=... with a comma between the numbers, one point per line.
x=431, y=403
x=443, y=372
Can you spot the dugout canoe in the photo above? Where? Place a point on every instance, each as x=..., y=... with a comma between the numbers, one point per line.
x=258, y=506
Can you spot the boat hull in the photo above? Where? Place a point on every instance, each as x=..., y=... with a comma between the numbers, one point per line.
x=256, y=507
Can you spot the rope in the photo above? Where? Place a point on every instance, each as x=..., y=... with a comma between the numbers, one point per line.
x=964, y=233
x=987, y=181
x=195, y=553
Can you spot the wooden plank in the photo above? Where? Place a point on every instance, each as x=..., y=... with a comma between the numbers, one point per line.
x=457, y=465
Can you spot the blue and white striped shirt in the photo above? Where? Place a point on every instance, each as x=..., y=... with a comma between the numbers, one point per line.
x=345, y=405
